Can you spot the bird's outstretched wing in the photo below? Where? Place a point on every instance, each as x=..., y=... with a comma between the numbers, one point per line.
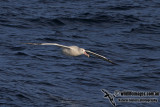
x=56, y=44
x=100, y=56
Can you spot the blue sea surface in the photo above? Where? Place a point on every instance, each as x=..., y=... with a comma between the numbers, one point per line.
x=125, y=31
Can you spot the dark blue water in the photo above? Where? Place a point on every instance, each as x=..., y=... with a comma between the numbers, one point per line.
x=125, y=31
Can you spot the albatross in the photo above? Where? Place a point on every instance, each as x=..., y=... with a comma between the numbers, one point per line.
x=73, y=50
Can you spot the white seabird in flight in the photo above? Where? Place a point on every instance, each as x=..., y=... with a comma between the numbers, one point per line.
x=74, y=50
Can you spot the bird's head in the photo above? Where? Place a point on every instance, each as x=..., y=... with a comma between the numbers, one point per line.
x=83, y=51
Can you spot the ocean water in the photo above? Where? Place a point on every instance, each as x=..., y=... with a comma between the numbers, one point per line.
x=125, y=31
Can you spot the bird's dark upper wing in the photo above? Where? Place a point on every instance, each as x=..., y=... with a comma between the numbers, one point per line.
x=100, y=56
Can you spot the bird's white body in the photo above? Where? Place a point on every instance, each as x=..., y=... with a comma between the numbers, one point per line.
x=73, y=50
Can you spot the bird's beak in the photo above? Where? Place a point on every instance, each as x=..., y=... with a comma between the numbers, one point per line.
x=86, y=54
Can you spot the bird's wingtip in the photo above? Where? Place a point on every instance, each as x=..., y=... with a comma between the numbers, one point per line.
x=32, y=43
x=113, y=63
x=26, y=43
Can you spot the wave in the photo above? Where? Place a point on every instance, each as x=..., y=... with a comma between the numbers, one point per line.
x=21, y=54
x=45, y=21
x=147, y=29
x=98, y=18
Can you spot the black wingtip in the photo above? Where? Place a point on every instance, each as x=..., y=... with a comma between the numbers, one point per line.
x=111, y=61
x=114, y=63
